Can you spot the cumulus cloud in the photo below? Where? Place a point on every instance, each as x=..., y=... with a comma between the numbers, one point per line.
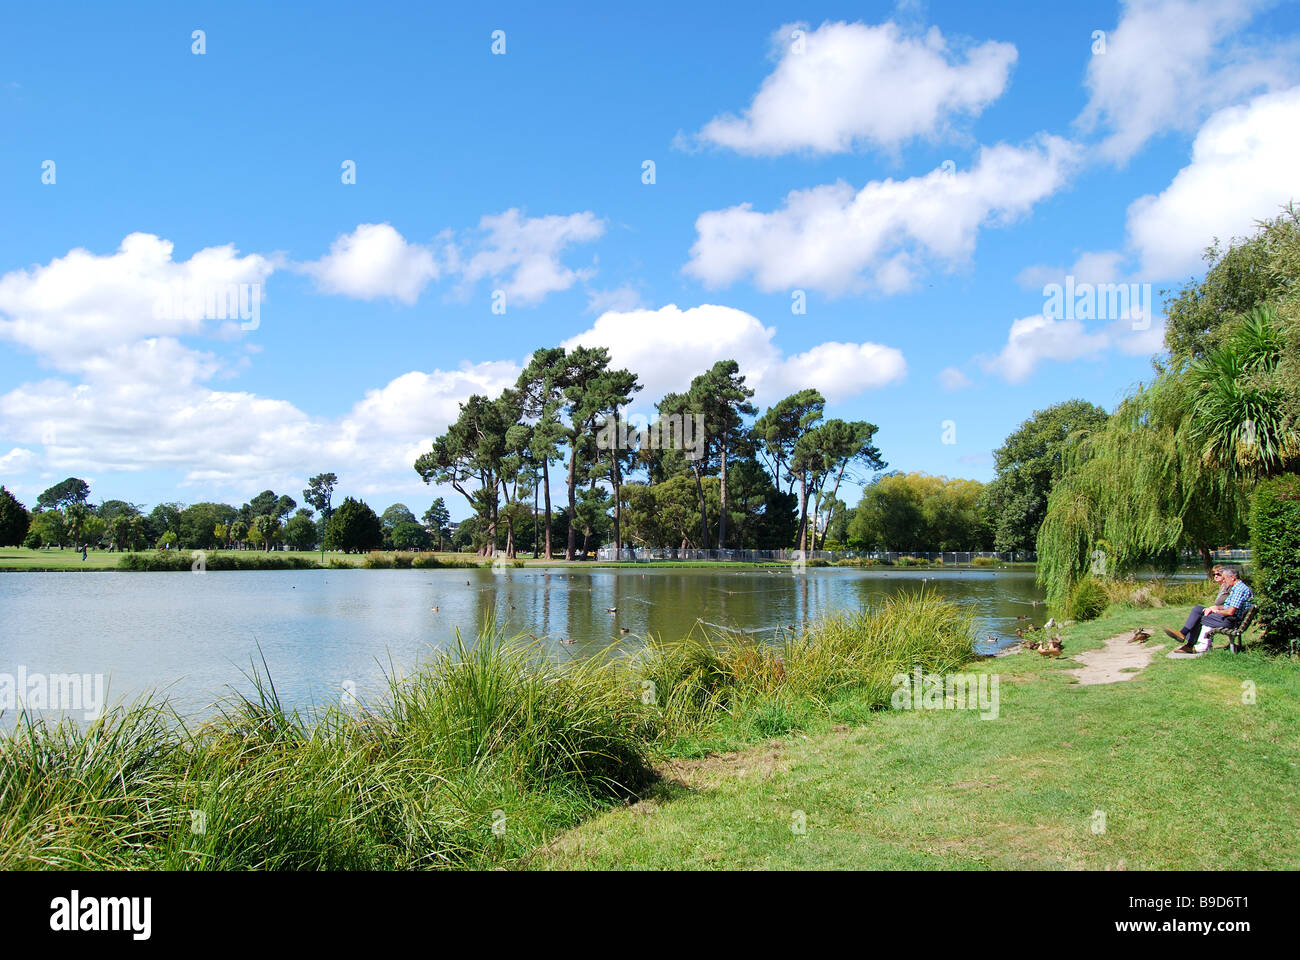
x=1036, y=339
x=622, y=298
x=523, y=254
x=1243, y=168
x=845, y=84
x=1093, y=266
x=231, y=439
x=80, y=306
x=669, y=346
x=839, y=240
x=1168, y=63
x=374, y=261
x=951, y=378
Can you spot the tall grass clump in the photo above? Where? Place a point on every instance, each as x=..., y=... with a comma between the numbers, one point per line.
x=487, y=732
x=1088, y=599
x=175, y=561
x=704, y=677
x=1157, y=593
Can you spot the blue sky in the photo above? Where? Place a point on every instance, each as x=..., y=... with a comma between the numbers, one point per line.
x=919, y=171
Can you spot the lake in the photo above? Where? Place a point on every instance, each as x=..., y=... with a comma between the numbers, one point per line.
x=193, y=637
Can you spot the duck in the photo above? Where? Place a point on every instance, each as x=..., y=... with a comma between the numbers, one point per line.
x=1029, y=644
x=1139, y=636
x=1051, y=622
x=611, y=609
x=435, y=609
x=622, y=630
x=1020, y=632
x=1023, y=616
x=1052, y=647
x=568, y=641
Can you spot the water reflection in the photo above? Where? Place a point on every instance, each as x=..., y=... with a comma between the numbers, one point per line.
x=190, y=636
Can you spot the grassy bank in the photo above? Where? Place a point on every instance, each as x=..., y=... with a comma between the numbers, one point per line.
x=1192, y=764
x=488, y=735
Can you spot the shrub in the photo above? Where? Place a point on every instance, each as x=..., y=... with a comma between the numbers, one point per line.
x=177, y=561
x=985, y=562
x=1275, y=541
x=378, y=561
x=1088, y=600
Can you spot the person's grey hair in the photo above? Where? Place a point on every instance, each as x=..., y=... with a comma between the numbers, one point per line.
x=1231, y=570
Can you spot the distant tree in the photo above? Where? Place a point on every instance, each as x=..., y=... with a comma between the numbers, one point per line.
x=300, y=531
x=320, y=492
x=438, y=520
x=409, y=535
x=354, y=528
x=268, y=528
x=1028, y=463
x=164, y=519
x=14, y=520
x=62, y=495
x=198, y=524
x=397, y=513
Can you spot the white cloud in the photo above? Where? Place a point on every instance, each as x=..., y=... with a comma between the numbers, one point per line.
x=670, y=346
x=373, y=261
x=1035, y=339
x=950, y=378
x=622, y=298
x=233, y=439
x=1094, y=266
x=78, y=307
x=1170, y=62
x=522, y=254
x=1244, y=168
x=19, y=460
x=849, y=83
x=838, y=240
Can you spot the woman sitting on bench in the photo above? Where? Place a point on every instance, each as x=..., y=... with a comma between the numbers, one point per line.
x=1224, y=615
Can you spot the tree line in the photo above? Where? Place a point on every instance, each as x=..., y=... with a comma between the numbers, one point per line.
x=63, y=516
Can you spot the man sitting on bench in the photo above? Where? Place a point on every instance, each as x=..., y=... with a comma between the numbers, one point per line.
x=1203, y=621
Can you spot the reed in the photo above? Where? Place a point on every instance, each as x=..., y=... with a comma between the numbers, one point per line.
x=473, y=760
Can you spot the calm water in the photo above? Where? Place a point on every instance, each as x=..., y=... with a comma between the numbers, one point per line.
x=190, y=636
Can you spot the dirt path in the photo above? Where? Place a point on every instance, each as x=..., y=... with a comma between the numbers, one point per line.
x=1117, y=660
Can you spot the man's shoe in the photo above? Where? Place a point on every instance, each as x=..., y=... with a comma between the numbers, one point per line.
x=1176, y=634
x=1185, y=648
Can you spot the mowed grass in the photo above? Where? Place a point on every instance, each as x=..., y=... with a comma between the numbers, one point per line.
x=1185, y=774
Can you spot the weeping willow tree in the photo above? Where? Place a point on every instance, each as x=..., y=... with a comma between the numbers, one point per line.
x=1174, y=467
x=1136, y=491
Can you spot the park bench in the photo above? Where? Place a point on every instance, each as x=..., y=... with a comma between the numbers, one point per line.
x=1236, y=633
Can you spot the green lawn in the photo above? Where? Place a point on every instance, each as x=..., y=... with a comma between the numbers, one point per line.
x=1186, y=775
